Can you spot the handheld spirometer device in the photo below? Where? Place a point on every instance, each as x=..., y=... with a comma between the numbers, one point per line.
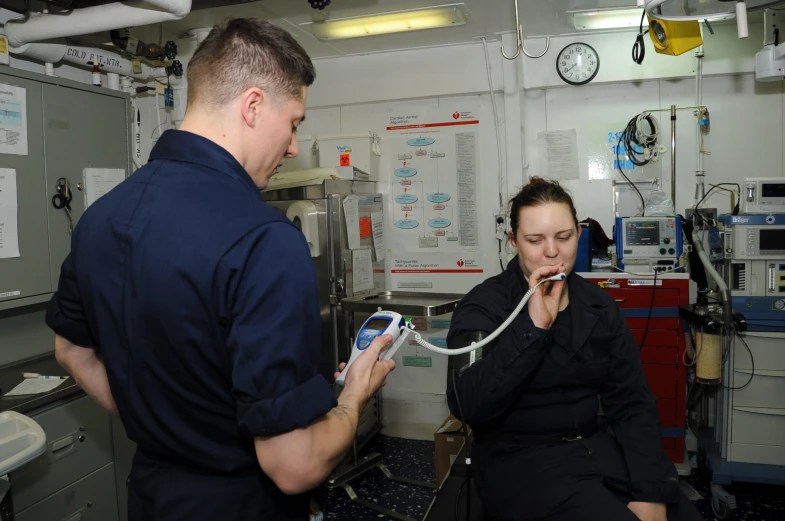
x=380, y=323
x=391, y=323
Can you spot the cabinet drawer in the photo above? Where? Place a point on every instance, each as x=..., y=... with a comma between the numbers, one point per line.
x=657, y=337
x=763, y=454
x=660, y=355
x=766, y=389
x=653, y=322
x=768, y=350
x=758, y=426
x=662, y=379
x=92, y=498
x=667, y=409
x=78, y=442
x=641, y=298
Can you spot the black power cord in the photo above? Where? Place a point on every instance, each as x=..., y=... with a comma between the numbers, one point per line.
x=651, y=306
x=752, y=360
x=468, y=445
x=735, y=209
x=618, y=164
x=639, y=48
x=636, y=144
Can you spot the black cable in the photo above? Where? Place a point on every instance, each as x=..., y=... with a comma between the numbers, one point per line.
x=752, y=360
x=651, y=306
x=738, y=199
x=500, y=254
x=466, y=444
x=631, y=137
x=618, y=163
x=639, y=48
x=458, y=499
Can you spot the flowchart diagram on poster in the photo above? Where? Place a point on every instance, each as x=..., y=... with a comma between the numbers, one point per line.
x=434, y=182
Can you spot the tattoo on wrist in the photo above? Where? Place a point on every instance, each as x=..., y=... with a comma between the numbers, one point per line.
x=341, y=411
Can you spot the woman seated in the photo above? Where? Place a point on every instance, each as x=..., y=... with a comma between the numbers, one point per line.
x=534, y=396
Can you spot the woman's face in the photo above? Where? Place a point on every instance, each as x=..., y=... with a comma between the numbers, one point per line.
x=546, y=236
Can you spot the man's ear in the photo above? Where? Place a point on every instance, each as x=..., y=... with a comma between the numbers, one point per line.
x=511, y=238
x=250, y=105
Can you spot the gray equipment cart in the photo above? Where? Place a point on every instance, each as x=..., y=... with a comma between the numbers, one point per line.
x=407, y=304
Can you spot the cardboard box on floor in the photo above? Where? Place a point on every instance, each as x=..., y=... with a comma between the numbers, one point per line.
x=449, y=440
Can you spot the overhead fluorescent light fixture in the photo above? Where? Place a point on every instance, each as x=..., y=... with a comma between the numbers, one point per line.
x=608, y=19
x=450, y=15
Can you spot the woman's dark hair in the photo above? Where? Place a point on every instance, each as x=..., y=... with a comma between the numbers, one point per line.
x=539, y=191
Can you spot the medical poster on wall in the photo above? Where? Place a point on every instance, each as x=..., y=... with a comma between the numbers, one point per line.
x=432, y=156
x=13, y=120
x=9, y=233
x=433, y=159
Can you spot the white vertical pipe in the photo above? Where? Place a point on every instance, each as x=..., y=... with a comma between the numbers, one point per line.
x=700, y=174
x=741, y=19
x=113, y=80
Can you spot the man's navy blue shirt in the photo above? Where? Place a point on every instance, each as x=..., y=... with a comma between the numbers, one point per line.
x=202, y=301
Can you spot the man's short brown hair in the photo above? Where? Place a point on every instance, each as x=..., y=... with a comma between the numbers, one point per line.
x=243, y=53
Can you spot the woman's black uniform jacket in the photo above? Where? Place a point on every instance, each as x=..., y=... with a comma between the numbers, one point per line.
x=529, y=383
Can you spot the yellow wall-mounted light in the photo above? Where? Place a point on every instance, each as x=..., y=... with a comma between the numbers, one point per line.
x=450, y=15
x=675, y=38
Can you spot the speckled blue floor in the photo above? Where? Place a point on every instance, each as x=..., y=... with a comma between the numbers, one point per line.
x=416, y=459
x=755, y=502
x=412, y=459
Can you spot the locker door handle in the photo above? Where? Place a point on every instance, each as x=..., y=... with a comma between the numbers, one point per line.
x=62, y=447
x=63, y=443
x=620, y=299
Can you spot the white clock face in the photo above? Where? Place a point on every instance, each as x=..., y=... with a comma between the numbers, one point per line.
x=578, y=63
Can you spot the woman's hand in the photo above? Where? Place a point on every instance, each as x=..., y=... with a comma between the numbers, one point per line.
x=544, y=304
x=648, y=511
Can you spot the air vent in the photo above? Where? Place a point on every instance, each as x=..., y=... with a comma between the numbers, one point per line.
x=738, y=276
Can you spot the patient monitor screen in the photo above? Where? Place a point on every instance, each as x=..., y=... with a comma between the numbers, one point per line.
x=772, y=240
x=643, y=233
x=773, y=189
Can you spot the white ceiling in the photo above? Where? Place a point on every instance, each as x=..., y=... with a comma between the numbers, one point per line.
x=488, y=18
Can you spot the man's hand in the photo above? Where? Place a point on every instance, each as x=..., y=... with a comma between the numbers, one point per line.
x=543, y=306
x=648, y=511
x=88, y=371
x=367, y=374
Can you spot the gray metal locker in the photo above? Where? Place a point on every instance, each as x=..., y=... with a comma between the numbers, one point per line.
x=28, y=275
x=81, y=130
x=70, y=126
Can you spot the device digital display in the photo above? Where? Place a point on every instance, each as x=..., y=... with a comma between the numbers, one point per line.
x=377, y=324
x=772, y=189
x=772, y=240
x=643, y=233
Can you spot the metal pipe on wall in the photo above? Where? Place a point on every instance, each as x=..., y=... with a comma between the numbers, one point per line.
x=673, y=154
x=700, y=174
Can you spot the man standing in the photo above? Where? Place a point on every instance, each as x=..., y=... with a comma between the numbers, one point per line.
x=189, y=306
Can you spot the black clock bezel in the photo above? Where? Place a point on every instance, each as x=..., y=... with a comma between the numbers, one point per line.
x=577, y=83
